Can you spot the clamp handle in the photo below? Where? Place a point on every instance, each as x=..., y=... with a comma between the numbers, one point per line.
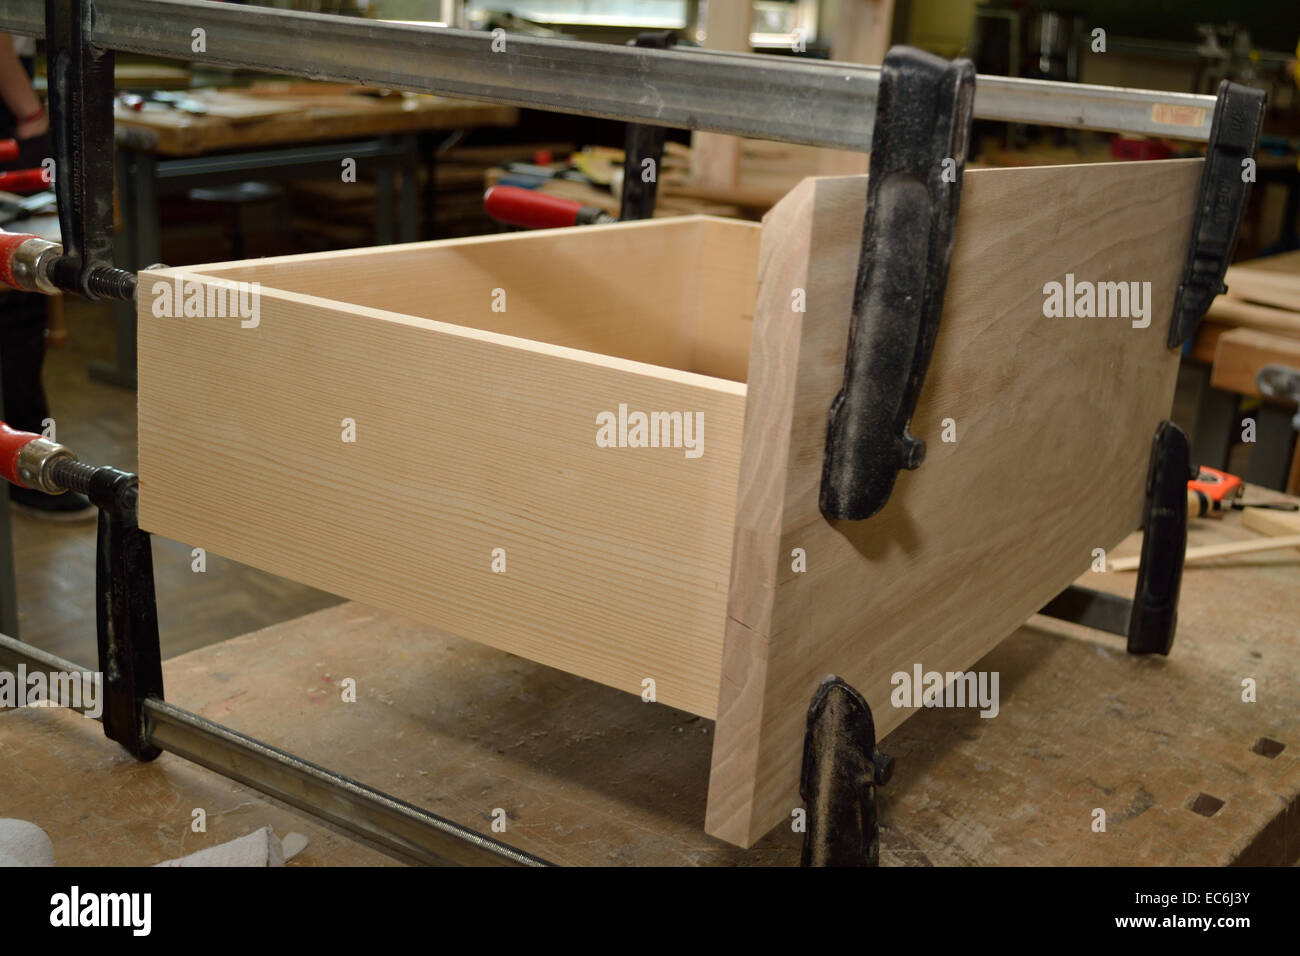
x=24, y=181
x=534, y=210
x=12, y=443
x=28, y=460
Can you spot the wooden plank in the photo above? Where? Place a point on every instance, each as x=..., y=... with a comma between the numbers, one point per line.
x=1285, y=263
x=317, y=118
x=469, y=439
x=1271, y=522
x=990, y=527
x=1268, y=288
x=1241, y=353
x=628, y=292
x=1210, y=551
x=1272, y=281
x=1263, y=317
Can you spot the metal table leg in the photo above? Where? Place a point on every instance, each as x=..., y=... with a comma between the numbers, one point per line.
x=408, y=211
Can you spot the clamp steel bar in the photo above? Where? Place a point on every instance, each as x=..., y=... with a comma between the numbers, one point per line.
x=398, y=826
x=787, y=99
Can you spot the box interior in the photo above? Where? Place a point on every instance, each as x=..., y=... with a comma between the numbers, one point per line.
x=677, y=293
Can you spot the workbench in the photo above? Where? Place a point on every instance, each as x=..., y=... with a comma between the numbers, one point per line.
x=272, y=132
x=588, y=775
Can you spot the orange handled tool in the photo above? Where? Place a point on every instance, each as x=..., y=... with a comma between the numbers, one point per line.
x=534, y=210
x=1211, y=493
x=32, y=461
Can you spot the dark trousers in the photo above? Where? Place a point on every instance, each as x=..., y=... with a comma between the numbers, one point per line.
x=22, y=353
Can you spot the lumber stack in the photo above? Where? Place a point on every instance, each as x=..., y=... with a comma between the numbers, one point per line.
x=1263, y=294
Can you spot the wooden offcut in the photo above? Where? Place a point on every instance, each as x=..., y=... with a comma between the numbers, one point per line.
x=1241, y=353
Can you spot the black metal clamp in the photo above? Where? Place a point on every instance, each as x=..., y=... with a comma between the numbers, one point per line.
x=919, y=144
x=81, y=124
x=1149, y=619
x=1221, y=203
x=642, y=142
x=126, y=611
x=841, y=770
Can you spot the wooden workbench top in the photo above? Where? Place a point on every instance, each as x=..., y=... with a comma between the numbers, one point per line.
x=273, y=114
x=589, y=775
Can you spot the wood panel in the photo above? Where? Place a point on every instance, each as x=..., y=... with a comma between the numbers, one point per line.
x=1054, y=419
x=617, y=559
x=677, y=293
x=1233, y=311
x=1241, y=353
x=1274, y=281
x=310, y=117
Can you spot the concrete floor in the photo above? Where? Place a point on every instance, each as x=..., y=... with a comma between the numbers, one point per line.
x=55, y=561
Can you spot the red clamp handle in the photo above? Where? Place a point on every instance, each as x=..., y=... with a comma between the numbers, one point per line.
x=532, y=210
x=9, y=243
x=24, y=181
x=8, y=150
x=12, y=442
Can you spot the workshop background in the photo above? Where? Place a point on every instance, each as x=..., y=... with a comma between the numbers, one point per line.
x=219, y=164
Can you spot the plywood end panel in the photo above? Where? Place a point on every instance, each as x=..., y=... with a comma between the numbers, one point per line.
x=466, y=441
x=1053, y=420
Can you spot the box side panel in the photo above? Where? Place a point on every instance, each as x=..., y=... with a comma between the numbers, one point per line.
x=720, y=326
x=624, y=289
x=1038, y=431
x=387, y=460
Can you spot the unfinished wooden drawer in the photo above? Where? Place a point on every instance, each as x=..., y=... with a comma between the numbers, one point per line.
x=474, y=372
x=478, y=495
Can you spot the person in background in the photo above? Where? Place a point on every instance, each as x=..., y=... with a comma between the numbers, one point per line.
x=22, y=315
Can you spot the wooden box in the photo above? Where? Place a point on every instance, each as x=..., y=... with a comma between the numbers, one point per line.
x=450, y=430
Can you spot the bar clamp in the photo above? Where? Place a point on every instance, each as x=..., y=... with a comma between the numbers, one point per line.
x=1220, y=205
x=922, y=133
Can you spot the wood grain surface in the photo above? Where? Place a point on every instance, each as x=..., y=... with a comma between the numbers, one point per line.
x=1053, y=423
x=469, y=439
x=252, y=118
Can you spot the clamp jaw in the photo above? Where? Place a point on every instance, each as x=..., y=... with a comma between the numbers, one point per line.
x=81, y=124
x=922, y=131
